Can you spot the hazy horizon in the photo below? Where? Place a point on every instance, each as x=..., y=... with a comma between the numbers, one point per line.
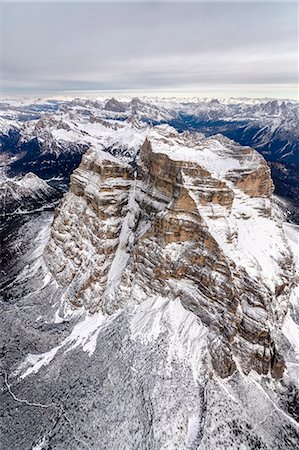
x=123, y=96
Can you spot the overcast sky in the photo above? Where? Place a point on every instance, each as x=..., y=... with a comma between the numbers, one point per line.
x=203, y=49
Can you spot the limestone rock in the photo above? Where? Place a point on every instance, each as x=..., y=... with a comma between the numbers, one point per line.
x=191, y=220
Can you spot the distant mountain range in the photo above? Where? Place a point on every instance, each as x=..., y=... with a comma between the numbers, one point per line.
x=48, y=137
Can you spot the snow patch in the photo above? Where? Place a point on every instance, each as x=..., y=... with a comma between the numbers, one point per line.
x=186, y=333
x=291, y=331
x=84, y=334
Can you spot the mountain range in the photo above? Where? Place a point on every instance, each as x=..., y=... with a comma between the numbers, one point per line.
x=150, y=274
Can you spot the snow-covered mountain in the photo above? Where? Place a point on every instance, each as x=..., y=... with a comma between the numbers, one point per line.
x=22, y=195
x=267, y=123
x=182, y=226
x=158, y=309
x=49, y=137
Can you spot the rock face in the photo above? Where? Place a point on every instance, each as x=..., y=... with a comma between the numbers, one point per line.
x=191, y=221
x=115, y=106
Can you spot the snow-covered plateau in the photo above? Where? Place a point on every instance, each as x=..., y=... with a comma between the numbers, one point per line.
x=157, y=306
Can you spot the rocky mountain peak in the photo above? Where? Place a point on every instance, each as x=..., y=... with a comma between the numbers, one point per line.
x=189, y=222
x=161, y=295
x=114, y=105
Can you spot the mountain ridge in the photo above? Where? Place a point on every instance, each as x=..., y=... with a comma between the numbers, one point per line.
x=157, y=307
x=270, y=126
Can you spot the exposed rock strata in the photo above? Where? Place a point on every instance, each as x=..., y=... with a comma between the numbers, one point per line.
x=175, y=226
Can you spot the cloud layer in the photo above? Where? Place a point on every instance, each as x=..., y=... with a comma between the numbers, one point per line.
x=191, y=48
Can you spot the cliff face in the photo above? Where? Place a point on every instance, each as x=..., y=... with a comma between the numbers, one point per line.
x=191, y=221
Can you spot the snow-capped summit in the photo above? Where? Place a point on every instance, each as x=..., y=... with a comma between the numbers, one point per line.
x=205, y=201
x=158, y=305
x=21, y=195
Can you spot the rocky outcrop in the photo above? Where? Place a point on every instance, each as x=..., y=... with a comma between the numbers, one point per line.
x=115, y=106
x=258, y=183
x=190, y=221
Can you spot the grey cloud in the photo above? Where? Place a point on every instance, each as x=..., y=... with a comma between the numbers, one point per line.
x=148, y=46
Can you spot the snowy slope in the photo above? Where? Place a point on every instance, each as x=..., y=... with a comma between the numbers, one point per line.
x=158, y=307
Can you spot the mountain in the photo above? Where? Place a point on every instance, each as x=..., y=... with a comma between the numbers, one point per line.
x=21, y=198
x=22, y=195
x=52, y=146
x=176, y=204
x=270, y=126
x=158, y=307
x=115, y=106
x=49, y=137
